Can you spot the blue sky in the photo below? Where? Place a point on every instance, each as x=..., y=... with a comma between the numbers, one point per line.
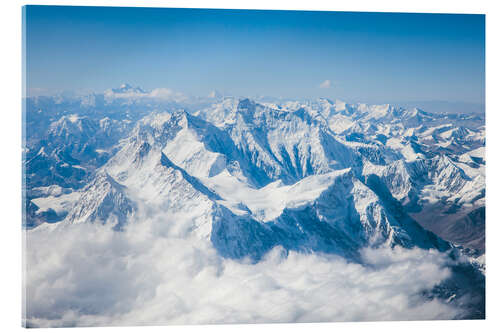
x=366, y=57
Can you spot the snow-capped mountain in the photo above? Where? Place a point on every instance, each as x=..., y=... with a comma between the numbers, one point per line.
x=320, y=176
x=104, y=201
x=178, y=163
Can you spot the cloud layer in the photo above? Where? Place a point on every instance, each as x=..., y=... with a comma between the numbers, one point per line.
x=86, y=275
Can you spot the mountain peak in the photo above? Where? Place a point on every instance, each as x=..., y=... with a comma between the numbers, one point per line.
x=128, y=88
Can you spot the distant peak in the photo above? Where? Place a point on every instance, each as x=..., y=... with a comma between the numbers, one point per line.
x=245, y=103
x=327, y=100
x=127, y=88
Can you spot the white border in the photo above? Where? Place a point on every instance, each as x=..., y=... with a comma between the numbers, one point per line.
x=10, y=158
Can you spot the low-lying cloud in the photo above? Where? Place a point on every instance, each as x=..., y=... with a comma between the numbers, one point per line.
x=85, y=275
x=164, y=94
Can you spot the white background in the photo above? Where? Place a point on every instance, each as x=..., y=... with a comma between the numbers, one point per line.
x=10, y=160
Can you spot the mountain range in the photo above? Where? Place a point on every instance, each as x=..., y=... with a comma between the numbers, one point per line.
x=389, y=170
x=246, y=176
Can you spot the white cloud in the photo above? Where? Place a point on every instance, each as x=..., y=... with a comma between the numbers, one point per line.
x=166, y=94
x=325, y=84
x=88, y=275
x=157, y=93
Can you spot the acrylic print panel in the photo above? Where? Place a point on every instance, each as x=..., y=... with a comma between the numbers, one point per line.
x=258, y=166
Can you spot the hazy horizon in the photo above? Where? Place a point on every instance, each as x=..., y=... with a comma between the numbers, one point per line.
x=352, y=56
x=436, y=106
